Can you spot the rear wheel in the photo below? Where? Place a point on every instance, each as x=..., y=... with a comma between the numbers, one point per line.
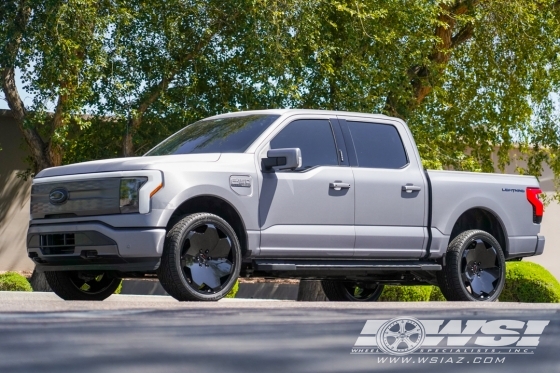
x=74, y=285
x=344, y=291
x=201, y=259
x=475, y=268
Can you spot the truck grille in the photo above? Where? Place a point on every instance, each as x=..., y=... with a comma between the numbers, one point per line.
x=84, y=198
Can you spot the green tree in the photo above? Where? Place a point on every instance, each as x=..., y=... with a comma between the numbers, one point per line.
x=468, y=76
x=58, y=47
x=156, y=46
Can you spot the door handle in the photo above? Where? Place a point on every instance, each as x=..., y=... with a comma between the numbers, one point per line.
x=409, y=188
x=338, y=185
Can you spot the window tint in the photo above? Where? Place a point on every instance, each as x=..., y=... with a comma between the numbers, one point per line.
x=313, y=137
x=377, y=145
x=223, y=135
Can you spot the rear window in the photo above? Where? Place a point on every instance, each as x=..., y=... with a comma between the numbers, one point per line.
x=223, y=135
x=377, y=145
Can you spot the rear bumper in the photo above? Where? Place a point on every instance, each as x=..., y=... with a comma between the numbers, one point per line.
x=523, y=246
x=540, y=245
x=94, y=246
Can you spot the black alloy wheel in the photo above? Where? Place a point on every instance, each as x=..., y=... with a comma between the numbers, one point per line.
x=201, y=259
x=74, y=285
x=474, y=268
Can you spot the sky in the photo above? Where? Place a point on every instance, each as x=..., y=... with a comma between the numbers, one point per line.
x=26, y=97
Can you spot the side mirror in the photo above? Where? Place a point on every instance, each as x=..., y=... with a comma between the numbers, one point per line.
x=282, y=159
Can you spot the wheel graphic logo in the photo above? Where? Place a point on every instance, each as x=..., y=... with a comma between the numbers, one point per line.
x=400, y=336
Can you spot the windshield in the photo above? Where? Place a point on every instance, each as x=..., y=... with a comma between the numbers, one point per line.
x=223, y=135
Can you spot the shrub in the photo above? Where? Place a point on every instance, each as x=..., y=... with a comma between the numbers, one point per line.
x=119, y=289
x=436, y=295
x=393, y=293
x=233, y=291
x=529, y=282
x=12, y=281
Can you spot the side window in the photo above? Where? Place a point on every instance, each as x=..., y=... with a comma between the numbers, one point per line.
x=314, y=137
x=377, y=145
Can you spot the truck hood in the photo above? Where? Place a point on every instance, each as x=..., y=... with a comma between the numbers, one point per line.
x=125, y=164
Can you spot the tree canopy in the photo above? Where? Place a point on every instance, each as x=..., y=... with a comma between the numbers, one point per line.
x=113, y=78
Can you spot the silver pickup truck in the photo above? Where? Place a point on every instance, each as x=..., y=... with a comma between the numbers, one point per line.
x=334, y=196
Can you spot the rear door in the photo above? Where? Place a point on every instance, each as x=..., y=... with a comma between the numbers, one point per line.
x=302, y=212
x=390, y=195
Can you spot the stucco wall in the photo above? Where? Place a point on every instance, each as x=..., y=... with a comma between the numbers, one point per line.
x=550, y=226
x=14, y=197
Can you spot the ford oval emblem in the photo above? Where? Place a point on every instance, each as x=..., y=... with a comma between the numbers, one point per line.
x=58, y=196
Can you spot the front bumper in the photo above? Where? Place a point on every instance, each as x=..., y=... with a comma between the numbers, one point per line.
x=94, y=246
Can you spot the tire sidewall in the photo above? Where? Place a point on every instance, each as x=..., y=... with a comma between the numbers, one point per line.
x=236, y=247
x=488, y=237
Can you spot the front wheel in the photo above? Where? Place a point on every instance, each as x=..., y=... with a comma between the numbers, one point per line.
x=74, y=285
x=475, y=268
x=201, y=259
x=344, y=291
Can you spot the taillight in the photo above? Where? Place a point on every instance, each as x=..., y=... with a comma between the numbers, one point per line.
x=533, y=198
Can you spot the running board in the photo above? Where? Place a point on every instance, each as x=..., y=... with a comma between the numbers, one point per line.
x=345, y=265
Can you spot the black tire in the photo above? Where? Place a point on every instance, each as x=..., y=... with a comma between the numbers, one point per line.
x=187, y=271
x=475, y=268
x=345, y=291
x=74, y=285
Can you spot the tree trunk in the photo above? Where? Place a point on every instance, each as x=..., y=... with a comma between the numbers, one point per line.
x=311, y=291
x=128, y=145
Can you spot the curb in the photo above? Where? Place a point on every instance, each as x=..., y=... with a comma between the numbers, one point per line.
x=259, y=290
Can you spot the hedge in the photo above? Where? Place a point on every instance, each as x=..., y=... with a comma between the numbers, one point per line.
x=525, y=282
x=119, y=289
x=233, y=291
x=531, y=283
x=406, y=293
x=12, y=281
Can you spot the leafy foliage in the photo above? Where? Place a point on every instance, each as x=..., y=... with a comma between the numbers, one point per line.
x=118, y=289
x=474, y=79
x=436, y=295
x=531, y=283
x=13, y=281
x=233, y=291
x=406, y=293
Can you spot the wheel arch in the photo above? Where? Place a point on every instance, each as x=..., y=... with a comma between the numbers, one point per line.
x=216, y=205
x=483, y=219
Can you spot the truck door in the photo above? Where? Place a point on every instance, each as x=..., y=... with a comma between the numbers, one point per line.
x=390, y=210
x=308, y=212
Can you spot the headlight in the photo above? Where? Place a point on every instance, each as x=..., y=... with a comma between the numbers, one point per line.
x=129, y=195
